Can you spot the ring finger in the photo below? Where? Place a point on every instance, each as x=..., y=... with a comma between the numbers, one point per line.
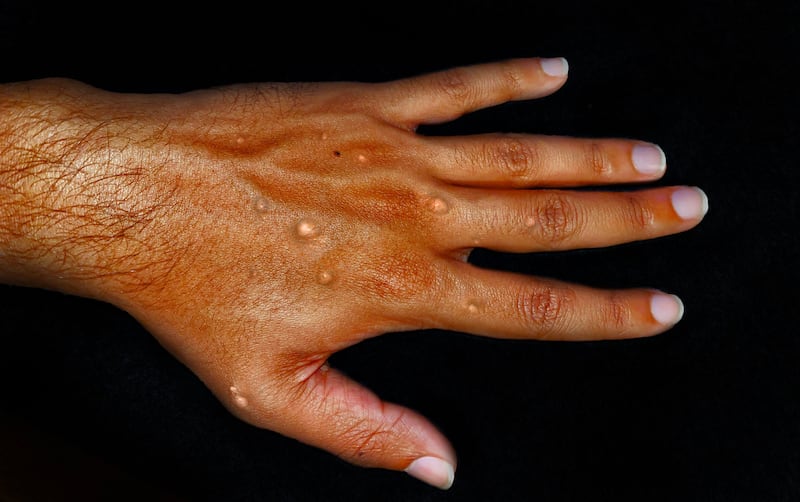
x=506, y=305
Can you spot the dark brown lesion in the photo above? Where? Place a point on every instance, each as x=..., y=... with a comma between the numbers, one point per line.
x=375, y=192
x=383, y=203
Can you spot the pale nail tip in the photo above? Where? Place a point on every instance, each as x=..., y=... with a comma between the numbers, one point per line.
x=666, y=309
x=662, y=159
x=649, y=159
x=689, y=203
x=555, y=67
x=681, y=308
x=451, y=477
x=434, y=471
x=705, y=201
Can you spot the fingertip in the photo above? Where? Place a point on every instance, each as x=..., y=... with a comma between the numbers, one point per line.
x=649, y=159
x=666, y=309
x=432, y=470
x=689, y=203
x=554, y=67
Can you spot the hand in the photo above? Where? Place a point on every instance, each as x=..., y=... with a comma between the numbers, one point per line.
x=255, y=230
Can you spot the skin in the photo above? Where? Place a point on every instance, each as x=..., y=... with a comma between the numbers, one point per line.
x=255, y=230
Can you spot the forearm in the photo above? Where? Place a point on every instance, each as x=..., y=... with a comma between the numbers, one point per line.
x=65, y=196
x=31, y=171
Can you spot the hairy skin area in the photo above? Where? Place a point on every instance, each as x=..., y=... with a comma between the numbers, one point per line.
x=255, y=230
x=73, y=201
x=213, y=210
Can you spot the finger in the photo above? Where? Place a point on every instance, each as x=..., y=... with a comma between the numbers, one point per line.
x=516, y=160
x=505, y=305
x=545, y=220
x=446, y=95
x=330, y=411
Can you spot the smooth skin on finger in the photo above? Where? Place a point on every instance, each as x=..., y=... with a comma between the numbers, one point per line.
x=506, y=305
x=328, y=410
x=446, y=95
x=548, y=220
x=535, y=161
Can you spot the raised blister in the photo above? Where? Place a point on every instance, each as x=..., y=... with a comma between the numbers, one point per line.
x=238, y=399
x=438, y=205
x=325, y=277
x=474, y=306
x=306, y=229
x=261, y=204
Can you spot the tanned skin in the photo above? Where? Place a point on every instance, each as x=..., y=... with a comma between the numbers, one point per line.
x=255, y=230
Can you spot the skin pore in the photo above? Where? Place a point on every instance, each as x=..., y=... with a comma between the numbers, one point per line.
x=257, y=229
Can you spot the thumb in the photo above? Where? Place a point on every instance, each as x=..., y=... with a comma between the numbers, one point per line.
x=333, y=412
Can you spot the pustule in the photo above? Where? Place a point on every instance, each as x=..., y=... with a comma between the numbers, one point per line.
x=474, y=306
x=261, y=204
x=306, y=229
x=238, y=399
x=325, y=277
x=438, y=205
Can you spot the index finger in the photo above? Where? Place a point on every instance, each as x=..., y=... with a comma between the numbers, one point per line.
x=446, y=95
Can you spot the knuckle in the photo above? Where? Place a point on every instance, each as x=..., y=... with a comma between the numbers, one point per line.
x=291, y=96
x=598, y=160
x=512, y=79
x=456, y=85
x=400, y=278
x=465, y=155
x=637, y=215
x=616, y=313
x=384, y=205
x=277, y=97
x=362, y=440
x=558, y=218
x=514, y=157
x=241, y=96
x=542, y=308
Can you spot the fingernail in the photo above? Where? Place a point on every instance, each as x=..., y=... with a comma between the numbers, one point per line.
x=555, y=67
x=649, y=159
x=666, y=309
x=432, y=470
x=690, y=203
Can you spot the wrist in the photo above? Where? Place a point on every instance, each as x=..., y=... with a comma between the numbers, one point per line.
x=67, y=198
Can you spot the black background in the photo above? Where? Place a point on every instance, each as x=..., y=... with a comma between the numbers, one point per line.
x=92, y=408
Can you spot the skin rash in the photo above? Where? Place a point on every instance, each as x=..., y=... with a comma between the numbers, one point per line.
x=255, y=230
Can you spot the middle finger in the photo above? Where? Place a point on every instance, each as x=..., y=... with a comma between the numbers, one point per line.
x=546, y=220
